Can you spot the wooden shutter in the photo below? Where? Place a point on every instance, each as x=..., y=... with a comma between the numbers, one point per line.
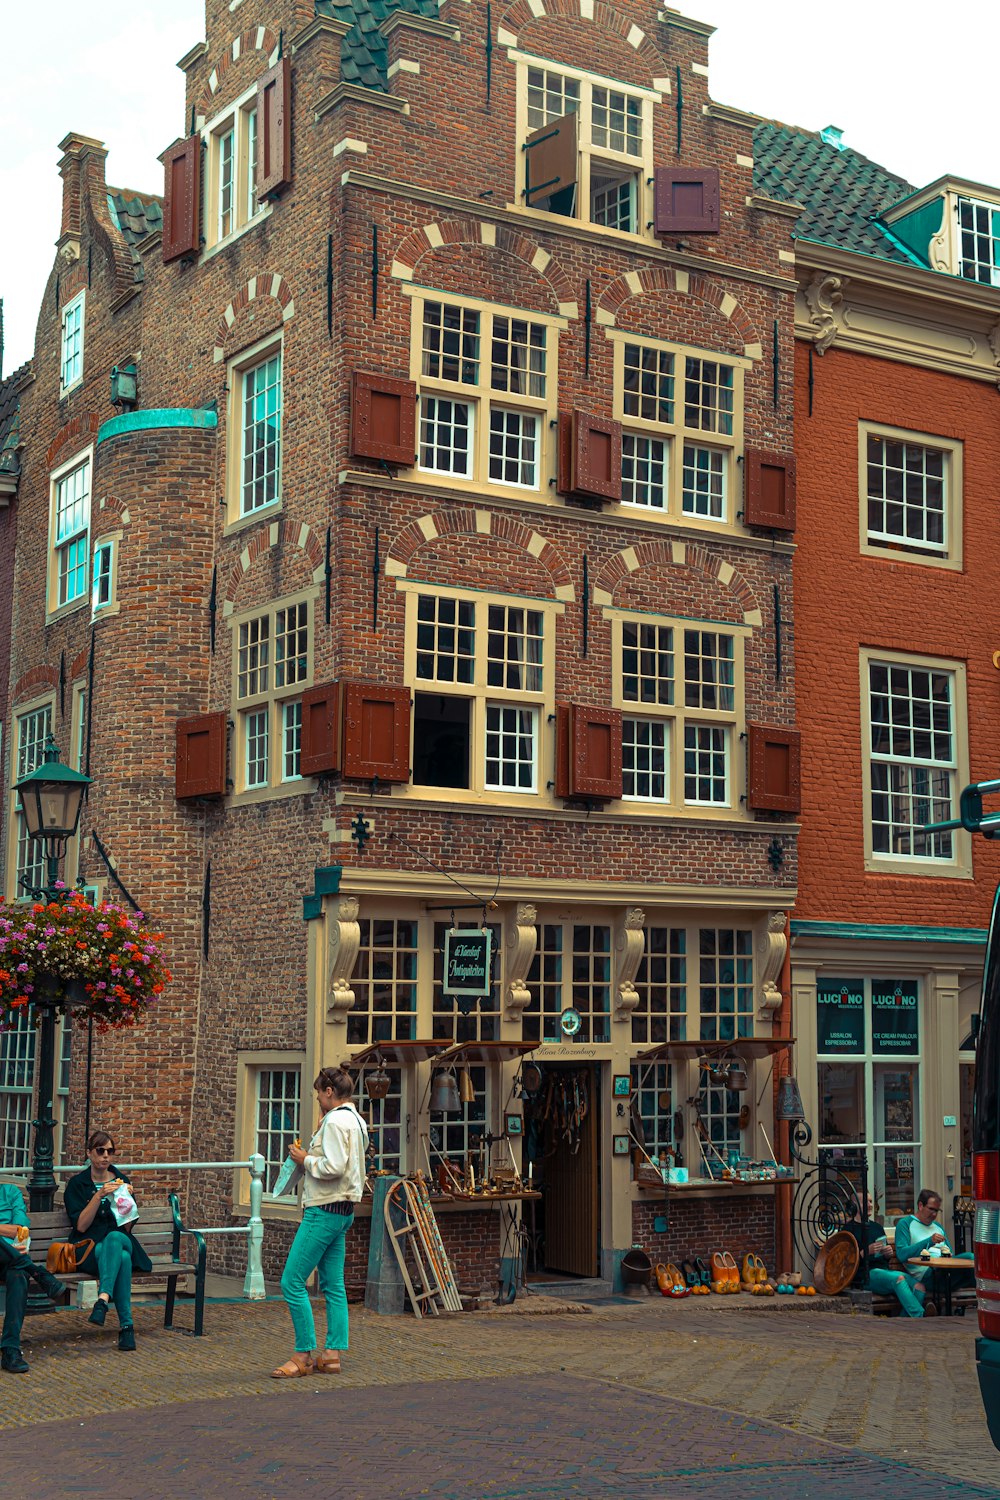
x=686, y=200
x=182, y=199
x=769, y=489
x=596, y=457
x=774, y=770
x=551, y=159
x=588, y=752
x=274, y=130
x=383, y=418
x=200, y=769
x=320, y=729
x=376, y=732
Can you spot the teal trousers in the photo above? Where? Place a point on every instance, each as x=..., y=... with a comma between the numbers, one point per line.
x=895, y=1284
x=114, y=1261
x=318, y=1246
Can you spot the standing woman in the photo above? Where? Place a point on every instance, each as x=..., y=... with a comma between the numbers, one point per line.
x=116, y=1251
x=334, y=1170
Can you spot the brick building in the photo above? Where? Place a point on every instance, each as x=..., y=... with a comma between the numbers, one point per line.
x=897, y=443
x=442, y=580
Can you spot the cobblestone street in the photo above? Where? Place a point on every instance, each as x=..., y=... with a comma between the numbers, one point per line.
x=708, y=1397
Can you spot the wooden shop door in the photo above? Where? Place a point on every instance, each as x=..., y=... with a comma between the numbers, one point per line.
x=571, y=1198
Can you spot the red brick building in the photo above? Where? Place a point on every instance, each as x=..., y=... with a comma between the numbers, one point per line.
x=443, y=582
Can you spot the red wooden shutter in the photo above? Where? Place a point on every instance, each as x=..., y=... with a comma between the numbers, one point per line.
x=769, y=489
x=596, y=456
x=274, y=130
x=376, y=732
x=320, y=729
x=686, y=200
x=182, y=199
x=200, y=769
x=774, y=769
x=551, y=159
x=588, y=752
x=383, y=418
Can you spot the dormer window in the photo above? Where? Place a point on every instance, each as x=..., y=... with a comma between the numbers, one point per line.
x=979, y=241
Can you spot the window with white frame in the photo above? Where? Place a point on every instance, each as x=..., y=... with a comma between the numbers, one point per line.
x=653, y=1104
x=102, y=583
x=231, y=167
x=682, y=417
x=69, y=532
x=725, y=984
x=277, y=1105
x=386, y=1124
x=384, y=982
x=612, y=137
x=481, y=670
x=71, y=343
x=32, y=729
x=457, y=1135
x=571, y=967
x=912, y=760
x=487, y=384
x=17, y=1071
x=273, y=666
x=910, y=494
x=679, y=685
x=979, y=235
x=719, y=1115
x=254, y=444
x=661, y=984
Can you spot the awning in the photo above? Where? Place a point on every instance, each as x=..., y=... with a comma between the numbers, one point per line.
x=751, y=1046
x=397, y=1053
x=483, y=1052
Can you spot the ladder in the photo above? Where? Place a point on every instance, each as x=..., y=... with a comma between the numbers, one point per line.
x=418, y=1234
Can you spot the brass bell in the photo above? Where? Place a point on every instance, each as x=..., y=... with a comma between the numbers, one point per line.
x=466, y=1092
x=789, y=1108
x=377, y=1083
x=444, y=1094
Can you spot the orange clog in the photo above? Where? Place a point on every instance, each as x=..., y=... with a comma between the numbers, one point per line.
x=663, y=1280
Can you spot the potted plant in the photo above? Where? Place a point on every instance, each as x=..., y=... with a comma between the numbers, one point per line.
x=94, y=963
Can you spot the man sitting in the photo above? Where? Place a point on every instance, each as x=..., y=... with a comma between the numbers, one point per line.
x=872, y=1240
x=16, y=1268
x=919, y=1234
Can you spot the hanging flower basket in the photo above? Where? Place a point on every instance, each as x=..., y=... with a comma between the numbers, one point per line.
x=92, y=963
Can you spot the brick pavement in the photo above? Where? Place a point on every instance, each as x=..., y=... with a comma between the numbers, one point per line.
x=656, y=1399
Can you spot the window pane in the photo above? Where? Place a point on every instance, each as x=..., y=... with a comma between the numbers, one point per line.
x=912, y=759
x=72, y=528
x=446, y=638
x=644, y=471
x=513, y=448
x=384, y=983
x=705, y=764
x=647, y=663
x=518, y=356
x=704, y=482
x=277, y=1115
x=725, y=978
x=709, y=680
x=261, y=434
x=708, y=396
x=540, y=1019
x=591, y=987
x=661, y=983
x=616, y=121
x=648, y=390
x=71, y=362
x=510, y=748
x=612, y=199
x=841, y=1103
x=445, y=436
x=451, y=343
x=550, y=96
x=291, y=741
x=291, y=645
x=652, y=1099
x=256, y=726
x=514, y=648
x=906, y=495
x=254, y=656
x=225, y=160
x=645, y=770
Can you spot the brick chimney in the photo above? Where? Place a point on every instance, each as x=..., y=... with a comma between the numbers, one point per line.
x=82, y=170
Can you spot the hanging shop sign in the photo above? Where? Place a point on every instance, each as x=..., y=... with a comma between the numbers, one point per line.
x=467, y=962
x=894, y=1016
x=840, y=1018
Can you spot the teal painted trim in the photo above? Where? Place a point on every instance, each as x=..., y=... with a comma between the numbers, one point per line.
x=157, y=419
x=871, y=932
x=326, y=882
x=913, y=256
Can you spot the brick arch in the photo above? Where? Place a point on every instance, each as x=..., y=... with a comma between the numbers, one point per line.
x=424, y=241
x=466, y=521
x=80, y=427
x=253, y=39
x=687, y=284
x=274, y=534
x=79, y=664
x=266, y=284
x=109, y=507
x=673, y=554
x=523, y=12
x=39, y=677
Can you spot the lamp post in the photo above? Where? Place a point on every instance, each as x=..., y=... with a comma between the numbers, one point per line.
x=50, y=799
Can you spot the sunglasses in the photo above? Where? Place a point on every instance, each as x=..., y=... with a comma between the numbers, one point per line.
x=104, y=1150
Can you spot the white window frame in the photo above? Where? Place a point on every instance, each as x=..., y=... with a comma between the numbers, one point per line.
x=593, y=154
x=959, y=863
x=262, y=711
x=677, y=716
x=978, y=205
x=482, y=695
x=33, y=723
x=482, y=399
x=237, y=124
x=249, y=1068
x=896, y=547
x=242, y=369
x=71, y=343
x=59, y=547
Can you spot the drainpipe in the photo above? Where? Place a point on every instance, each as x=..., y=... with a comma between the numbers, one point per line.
x=783, y=1191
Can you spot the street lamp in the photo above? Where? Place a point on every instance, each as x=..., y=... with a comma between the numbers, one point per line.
x=50, y=799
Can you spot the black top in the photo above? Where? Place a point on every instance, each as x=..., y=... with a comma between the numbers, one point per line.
x=79, y=1191
x=872, y=1232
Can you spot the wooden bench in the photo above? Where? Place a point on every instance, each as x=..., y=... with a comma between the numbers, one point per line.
x=159, y=1231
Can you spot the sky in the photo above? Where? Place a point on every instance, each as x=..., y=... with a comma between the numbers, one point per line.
x=911, y=85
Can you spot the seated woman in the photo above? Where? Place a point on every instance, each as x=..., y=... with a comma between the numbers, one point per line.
x=919, y=1233
x=116, y=1252
x=871, y=1238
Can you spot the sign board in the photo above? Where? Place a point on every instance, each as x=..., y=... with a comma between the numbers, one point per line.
x=894, y=1016
x=467, y=956
x=840, y=1016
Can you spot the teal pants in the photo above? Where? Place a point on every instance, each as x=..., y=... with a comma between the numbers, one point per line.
x=895, y=1284
x=318, y=1246
x=114, y=1261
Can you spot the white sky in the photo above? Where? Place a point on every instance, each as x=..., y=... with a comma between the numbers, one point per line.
x=906, y=90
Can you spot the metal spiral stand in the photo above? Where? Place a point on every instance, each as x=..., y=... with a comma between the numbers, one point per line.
x=825, y=1199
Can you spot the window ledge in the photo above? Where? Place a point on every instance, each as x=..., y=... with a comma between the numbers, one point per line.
x=886, y=553
x=237, y=234
x=278, y=793
x=265, y=513
x=916, y=869
x=53, y=616
x=67, y=390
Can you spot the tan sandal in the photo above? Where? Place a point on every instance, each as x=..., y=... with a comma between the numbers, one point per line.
x=294, y=1368
x=328, y=1363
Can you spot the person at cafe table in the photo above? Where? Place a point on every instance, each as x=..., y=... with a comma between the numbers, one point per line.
x=871, y=1238
x=918, y=1234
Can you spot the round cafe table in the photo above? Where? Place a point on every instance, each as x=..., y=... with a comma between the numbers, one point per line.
x=943, y=1269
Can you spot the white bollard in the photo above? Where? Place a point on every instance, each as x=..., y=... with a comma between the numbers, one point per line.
x=253, y=1284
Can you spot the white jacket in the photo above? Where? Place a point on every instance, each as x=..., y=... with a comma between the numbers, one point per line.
x=335, y=1161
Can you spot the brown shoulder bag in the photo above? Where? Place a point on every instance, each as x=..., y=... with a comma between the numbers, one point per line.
x=67, y=1256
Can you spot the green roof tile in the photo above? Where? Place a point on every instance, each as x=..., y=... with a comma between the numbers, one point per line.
x=364, y=57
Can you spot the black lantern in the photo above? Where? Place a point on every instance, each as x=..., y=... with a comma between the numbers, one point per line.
x=50, y=799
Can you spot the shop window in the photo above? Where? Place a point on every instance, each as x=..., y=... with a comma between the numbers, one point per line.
x=571, y=968
x=718, y=1111
x=481, y=672
x=459, y=1135
x=725, y=984
x=26, y=859
x=682, y=416
x=585, y=154
x=69, y=533
x=255, y=396
x=478, y=1021
x=540, y=1018
x=661, y=984
x=71, y=344
x=385, y=1123
x=486, y=381
x=653, y=1104
x=911, y=495
x=869, y=1051
x=384, y=983
x=913, y=767
x=272, y=668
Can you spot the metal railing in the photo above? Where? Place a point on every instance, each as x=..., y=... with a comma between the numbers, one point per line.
x=253, y=1282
